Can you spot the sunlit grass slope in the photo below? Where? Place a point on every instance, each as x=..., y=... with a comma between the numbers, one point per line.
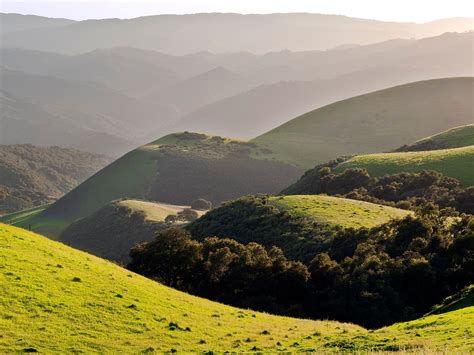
x=454, y=138
x=57, y=299
x=376, y=122
x=457, y=163
x=337, y=211
x=154, y=211
x=32, y=219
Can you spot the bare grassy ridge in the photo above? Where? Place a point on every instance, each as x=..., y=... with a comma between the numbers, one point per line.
x=57, y=299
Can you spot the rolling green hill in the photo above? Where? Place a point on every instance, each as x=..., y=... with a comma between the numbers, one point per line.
x=114, y=229
x=57, y=299
x=376, y=122
x=298, y=225
x=176, y=169
x=454, y=138
x=337, y=211
x=457, y=163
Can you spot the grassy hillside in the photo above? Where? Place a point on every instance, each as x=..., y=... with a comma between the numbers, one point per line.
x=57, y=299
x=113, y=230
x=337, y=211
x=176, y=169
x=376, y=122
x=32, y=176
x=454, y=138
x=299, y=225
x=457, y=163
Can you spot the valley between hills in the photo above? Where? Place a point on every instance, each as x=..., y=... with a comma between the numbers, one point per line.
x=291, y=183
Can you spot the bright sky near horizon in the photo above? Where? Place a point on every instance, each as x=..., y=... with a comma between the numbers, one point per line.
x=386, y=10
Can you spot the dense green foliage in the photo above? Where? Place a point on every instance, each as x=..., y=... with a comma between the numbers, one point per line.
x=457, y=163
x=256, y=219
x=404, y=190
x=33, y=176
x=223, y=270
x=380, y=121
x=372, y=277
x=454, y=138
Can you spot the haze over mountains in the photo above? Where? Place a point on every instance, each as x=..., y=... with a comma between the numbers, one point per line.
x=114, y=99
x=185, y=34
x=211, y=121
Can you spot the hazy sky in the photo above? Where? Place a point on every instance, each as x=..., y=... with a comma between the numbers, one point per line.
x=396, y=10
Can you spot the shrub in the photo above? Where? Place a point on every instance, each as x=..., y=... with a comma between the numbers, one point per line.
x=187, y=215
x=201, y=204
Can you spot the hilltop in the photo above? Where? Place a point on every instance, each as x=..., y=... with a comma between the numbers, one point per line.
x=113, y=230
x=55, y=298
x=175, y=169
x=454, y=138
x=298, y=225
x=376, y=122
x=457, y=163
x=336, y=211
x=31, y=176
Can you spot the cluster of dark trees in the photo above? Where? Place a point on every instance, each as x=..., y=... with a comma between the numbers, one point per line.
x=372, y=277
x=404, y=190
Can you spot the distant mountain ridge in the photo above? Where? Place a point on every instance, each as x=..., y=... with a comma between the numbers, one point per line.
x=135, y=95
x=182, y=34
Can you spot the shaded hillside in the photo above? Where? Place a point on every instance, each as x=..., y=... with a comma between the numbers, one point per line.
x=379, y=121
x=454, y=138
x=457, y=163
x=113, y=230
x=181, y=34
x=33, y=176
x=98, y=306
x=178, y=169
